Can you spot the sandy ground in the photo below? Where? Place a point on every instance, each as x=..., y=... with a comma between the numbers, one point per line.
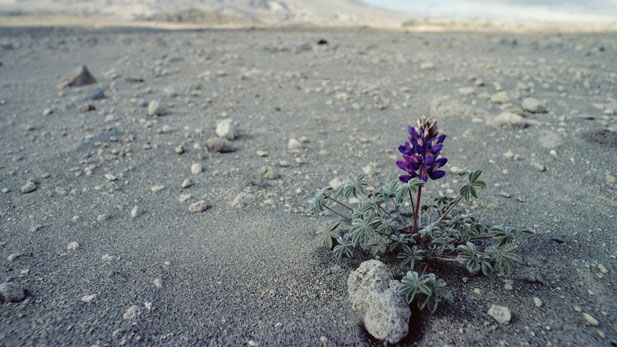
x=253, y=272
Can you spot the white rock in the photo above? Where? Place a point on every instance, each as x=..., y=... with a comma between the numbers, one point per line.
x=591, y=320
x=110, y=177
x=131, y=313
x=29, y=187
x=217, y=144
x=537, y=301
x=294, y=145
x=199, y=206
x=196, y=168
x=184, y=197
x=226, y=129
x=158, y=283
x=242, y=199
x=533, y=105
x=268, y=173
x=262, y=154
x=500, y=313
x=508, y=120
x=427, y=66
x=549, y=139
x=336, y=183
x=135, y=212
x=13, y=256
x=157, y=188
x=72, y=246
x=500, y=98
x=373, y=292
x=602, y=269
x=88, y=298
x=155, y=108
x=186, y=183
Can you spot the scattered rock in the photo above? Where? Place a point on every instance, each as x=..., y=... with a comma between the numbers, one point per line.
x=48, y=111
x=217, y=144
x=102, y=217
x=500, y=98
x=294, y=145
x=13, y=256
x=446, y=106
x=500, y=313
x=110, y=177
x=135, y=212
x=11, y=292
x=537, y=301
x=261, y=154
x=29, y=187
x=199, y=206
x=533, y=105
x=538, y=166
x=88, y=298
x=226, y=129
x=508, y=120
x=158, y=283
x=155, y=108
x=72, y=246
x=157, y=188
x=77, y=78
x=196, y=168
x=591, y=320
x=186, y=183
x=549, y=139
x=131, y=313
x=602, y=269
x=336, y=183
x=373, y=292
x=457, y=171
x=268, y=173
x=242, y=199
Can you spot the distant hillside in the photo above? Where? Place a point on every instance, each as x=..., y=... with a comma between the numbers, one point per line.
x=275, y=12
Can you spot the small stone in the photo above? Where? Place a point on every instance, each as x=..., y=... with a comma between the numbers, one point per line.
x=294, y=145
x=278, y=325
x=253, y=343
x=196, y=168
x=591, y=320
x=500, y=313
x=602, y=269
x=226, y=129
x=533, y=105
x=77, y=78
x=158, y=283
x=155, y=108
x=262, y=154
x=131, y=313
x=110, y=177
x=537, y=301
x=184, y=197
x=217, y=144
x=72, y=246
x=29, y=187
x=508, y=155
x=508, y=285
x=180, y=149
x=610, y=179
x=242, y=199
x=538, y=166
x=186, y=183
x=157, y=188
x=427, y=66
x=549, y=139
x=466, y=90
x=11, y=292
x=323, y=339
x=508, y=120
x=283, y=163
x=457, y=171
x=13, y=256
x=268, y=173
x=135, y=212
x=48, y=111
x=336, y=183
x=198, y=207
x=88, y=298
x=500, y=98
x=102, y=217
x=505, y=194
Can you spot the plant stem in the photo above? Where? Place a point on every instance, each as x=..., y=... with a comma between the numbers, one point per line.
x=478, y=238
x=384, y=211
x=449, y=209
x=338, y=202
x=338, y=214
x=424, y=270
x=454, y=259
x=417, y=211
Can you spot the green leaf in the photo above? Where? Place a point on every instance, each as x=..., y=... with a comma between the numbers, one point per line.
x=361, y=232
x=353, y=185
x=328, y=235
x=319, y=201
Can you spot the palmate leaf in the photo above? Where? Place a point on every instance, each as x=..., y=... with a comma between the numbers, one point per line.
x=319, y=201
x=343, y=248
x=361, y=233
x=403, y=190
x=503, y=256
x=353, y=185
x=409, y=256
x=327, y=235
x=412, y=284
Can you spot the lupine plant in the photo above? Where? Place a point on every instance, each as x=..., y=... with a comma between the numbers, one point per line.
x=421, y=234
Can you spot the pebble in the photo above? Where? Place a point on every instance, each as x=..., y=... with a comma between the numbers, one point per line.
x=131, y=313
x=508, y=120
x=500, y=98
x=77, y=78
x=283, y=163
x=457, y=171
x=217, y=144
x=187, y=183
x=11, y=292
x=294, y=145
x=184, y=197
x=180, y=149
x=549, y=139
x=88, y=298
x=323, y=339
x=268, y=173
x=533, y=105
x=610, y=179
x=48, y=111
x=253, y=343
x=505, y=194
x=198, y=207
x=242, y=199
x=135, y=212
x=102, y=217
x=262, y=154
x=13, y=256
x=602, y=269
x=110, y=177
x=336, y=183
x=591, y=320
x=226, y=129
x=72, y=246
x=155, y=108
x=29, y=187
x=196, y=168
x=158, y=283
x=157, y=188
x=537, y=301
x=500, y=313
x=538, y=166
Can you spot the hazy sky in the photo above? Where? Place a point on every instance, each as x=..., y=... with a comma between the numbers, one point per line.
x=510, y=10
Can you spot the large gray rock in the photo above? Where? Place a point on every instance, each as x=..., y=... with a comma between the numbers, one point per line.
x=77, y=78
x=373, y=292
x=10, y=292
x=446, y=106
x=533, y=105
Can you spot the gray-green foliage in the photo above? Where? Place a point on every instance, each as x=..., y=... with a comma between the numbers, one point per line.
x=379, y=223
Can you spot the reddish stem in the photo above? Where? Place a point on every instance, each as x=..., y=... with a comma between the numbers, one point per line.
x=417, y=211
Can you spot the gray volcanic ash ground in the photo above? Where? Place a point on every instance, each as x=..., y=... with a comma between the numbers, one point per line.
x=123, y=226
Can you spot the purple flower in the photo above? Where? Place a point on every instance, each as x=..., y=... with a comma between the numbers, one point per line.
x=421, y=152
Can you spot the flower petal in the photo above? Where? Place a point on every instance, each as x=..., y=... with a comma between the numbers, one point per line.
x=402, y=165
x=437, y=174
x=441, y=162
x=404, y=178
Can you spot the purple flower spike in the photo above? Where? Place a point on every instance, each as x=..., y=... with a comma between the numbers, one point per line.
x=421, y=152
